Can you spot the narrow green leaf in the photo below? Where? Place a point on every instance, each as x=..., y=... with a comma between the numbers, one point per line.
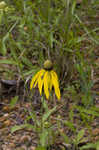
x=40, y=148
x=1, y=16
x=86, y=30
x=46, y=115
x=70, y=125
x=34, y=70
x=5, y=38
x=26, y=61
x=20, y=127
x=80, y=135
x=13, y=101
x=88, y=146
x=66, y=138
x=8, y=61
x=97, y=145
x=43, y=137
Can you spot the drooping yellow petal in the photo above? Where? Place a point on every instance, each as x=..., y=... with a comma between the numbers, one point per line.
x=39, y=76
x=34, y=79
x=40, y=85
x=55, y=84
x=55, y=75
x=41, y=81
x=50, y=83
x=47, y=78
x=46, y=88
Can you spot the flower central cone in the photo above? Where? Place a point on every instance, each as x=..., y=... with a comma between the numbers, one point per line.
x=46, y=78
x=48, y=65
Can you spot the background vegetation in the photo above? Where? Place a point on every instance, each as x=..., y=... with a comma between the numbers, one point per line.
x=67, y=32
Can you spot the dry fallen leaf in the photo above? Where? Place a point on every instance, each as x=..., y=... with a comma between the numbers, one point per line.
x=79, y=1
x=7, y=123
x=95, y=132
x=12, y=145
x=6, y=109
x=25, y=138
x=32, y=148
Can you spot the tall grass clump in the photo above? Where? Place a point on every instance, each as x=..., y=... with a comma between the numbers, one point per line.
x=63, y=32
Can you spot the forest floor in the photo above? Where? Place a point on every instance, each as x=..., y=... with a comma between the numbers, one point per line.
x=16, y=105
x=26, y=139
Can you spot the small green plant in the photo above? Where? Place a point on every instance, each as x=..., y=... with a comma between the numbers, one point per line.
x=90, y=146
x=42, y=126
x=77, y=135
x=86, y=83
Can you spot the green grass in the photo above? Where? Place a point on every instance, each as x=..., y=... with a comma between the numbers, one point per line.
x=60, y=30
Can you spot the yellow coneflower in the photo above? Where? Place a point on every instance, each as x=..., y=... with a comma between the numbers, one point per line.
x=46, y=78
